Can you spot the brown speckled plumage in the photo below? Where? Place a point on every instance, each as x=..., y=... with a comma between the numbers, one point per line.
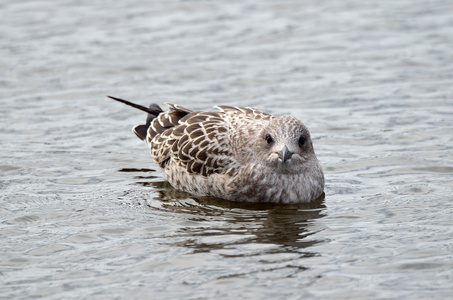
x=236, y=153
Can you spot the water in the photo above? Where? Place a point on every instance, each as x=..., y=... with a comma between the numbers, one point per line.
x=85, y=214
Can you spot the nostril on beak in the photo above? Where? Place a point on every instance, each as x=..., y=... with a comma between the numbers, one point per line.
x=285, y=154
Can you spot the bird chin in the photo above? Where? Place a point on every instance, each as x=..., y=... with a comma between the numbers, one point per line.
x=281, y=167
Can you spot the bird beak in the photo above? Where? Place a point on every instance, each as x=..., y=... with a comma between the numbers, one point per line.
x=285, y=154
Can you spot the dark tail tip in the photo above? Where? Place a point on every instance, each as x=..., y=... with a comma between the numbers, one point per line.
x=153, y=111
x=141, y=131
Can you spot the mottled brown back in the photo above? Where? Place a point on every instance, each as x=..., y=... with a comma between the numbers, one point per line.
x=198, y=141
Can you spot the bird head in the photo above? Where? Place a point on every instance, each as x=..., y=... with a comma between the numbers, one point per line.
x=285, y=145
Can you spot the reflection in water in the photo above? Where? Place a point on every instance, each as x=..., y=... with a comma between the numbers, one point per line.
x=221, y=224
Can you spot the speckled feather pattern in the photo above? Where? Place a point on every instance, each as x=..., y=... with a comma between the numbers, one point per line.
x=224, y=154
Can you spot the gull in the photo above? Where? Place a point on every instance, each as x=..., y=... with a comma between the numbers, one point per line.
x=236, y=153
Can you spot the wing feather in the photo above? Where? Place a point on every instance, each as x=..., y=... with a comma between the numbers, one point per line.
x=199, y=143
x=247, y=111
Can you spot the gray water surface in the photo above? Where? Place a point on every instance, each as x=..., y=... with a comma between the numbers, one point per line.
x=84, y=213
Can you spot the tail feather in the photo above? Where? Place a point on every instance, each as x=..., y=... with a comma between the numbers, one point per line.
x=153, y=111
x=141, y=131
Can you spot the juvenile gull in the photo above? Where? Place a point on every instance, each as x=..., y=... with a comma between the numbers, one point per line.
x=236, y=153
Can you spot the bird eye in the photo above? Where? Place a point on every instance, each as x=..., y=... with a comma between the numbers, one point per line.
x=269, y=139
x=302, y=141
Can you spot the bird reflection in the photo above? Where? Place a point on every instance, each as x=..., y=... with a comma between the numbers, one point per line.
x=221, y=224
x=285, y=225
